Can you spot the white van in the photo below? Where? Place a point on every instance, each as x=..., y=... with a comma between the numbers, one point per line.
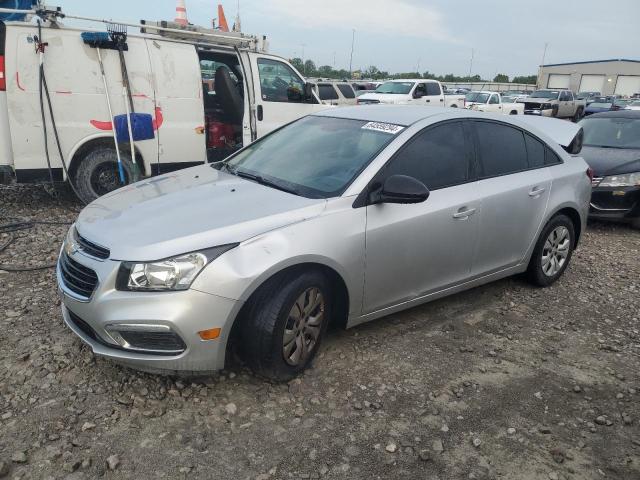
x=208, y=95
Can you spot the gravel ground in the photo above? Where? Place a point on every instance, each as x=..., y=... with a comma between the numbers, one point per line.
x=503, y=381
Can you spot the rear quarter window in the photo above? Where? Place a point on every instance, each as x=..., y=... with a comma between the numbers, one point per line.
x=535, y=151
x=551, y=157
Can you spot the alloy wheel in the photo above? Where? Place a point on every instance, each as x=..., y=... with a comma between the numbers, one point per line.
x=303, y=327
x=555, y=251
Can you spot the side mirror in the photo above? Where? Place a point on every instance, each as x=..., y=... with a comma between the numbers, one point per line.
x=308, y=91
x=418, y=94
x=401, y=189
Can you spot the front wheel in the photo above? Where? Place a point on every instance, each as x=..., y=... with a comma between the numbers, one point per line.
x=552, y=252
x=577, y=116
x=285, y=323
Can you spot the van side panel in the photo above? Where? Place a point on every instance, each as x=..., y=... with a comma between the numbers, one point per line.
x=77, y=94
x=178, y=86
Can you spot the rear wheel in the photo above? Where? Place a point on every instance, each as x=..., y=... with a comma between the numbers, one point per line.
x=552, y=252
x=97, y=173
x=285, y=323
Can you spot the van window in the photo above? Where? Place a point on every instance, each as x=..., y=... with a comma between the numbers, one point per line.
x=502, y=149
x=279, y=83
x=433, y=89
x=327, y=92
x=436, y=156
x=346, y=90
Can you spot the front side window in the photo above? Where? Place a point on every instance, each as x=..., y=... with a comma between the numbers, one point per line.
x=437, y=157
x=279, y=83
x=494, y=100
x=327, y=92
x=502, y=149
x=315, y=157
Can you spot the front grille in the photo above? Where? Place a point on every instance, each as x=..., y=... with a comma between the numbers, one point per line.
x=77, y=278
x=596, y=181
x=608, y=201
x=531, y=106
x=91, y=248
x=168, y=341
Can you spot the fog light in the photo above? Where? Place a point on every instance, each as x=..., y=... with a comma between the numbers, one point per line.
x=210, y=334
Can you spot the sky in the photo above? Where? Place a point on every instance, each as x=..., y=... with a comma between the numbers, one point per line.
x=504, y=36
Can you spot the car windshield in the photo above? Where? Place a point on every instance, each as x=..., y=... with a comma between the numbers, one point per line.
x=395, y=87
x=611, y=132
x=314, y=157
x=600, y=105
x=477, y=97
x=545, y=94
x=635, y=104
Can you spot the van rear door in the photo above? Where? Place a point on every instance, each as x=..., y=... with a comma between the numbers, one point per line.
x=178, y=89
x=279, y=93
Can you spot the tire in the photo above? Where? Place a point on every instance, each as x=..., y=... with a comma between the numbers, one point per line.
x=513, y=112
x=97, y=173
x=543, y=273
x=270, y=322
x=554, y=113
x=577, y=116
x=635, y=223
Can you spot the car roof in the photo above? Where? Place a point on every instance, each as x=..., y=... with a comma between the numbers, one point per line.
x=403, y=115
x=618, y=114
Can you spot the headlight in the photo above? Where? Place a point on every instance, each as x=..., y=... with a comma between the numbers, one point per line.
x=177, y=273
x=625, y=180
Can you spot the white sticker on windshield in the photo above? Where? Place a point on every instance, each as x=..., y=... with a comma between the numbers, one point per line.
x=383, y=127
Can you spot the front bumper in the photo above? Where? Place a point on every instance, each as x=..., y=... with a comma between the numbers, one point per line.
x=538, y=112
x=184, y=313
x=615, y=203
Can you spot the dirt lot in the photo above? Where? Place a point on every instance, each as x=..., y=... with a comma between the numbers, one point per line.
x=503, y=381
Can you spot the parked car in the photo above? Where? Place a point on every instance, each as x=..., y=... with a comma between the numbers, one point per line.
x=343, y=216
x=612, y=149
x=554, y=103
x=598, y=107
x=336, y=93
x=634, y=105
x=588, y=97
x=206, y=98
x=485, y=101
x=513, y=98
x=412, y=92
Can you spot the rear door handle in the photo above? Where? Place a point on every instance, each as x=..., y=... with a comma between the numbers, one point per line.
x=464, y=212
x=260, y=113
x=536, y=191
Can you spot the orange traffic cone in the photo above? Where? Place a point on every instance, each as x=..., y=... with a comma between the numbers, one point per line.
x=222, y=20
x=181, y=13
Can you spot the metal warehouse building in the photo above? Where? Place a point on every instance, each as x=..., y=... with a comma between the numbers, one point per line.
x=616, y=76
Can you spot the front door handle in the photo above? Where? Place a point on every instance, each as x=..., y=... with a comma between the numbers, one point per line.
x=464, y=212
x=537, y=191
x=260, y=113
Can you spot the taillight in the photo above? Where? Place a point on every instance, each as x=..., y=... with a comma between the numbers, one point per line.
x=590, y=173
x=3, y=79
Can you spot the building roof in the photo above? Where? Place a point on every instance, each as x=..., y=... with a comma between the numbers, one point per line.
x=591, y=61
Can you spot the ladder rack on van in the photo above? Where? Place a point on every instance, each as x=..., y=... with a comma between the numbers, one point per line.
x=172, y=30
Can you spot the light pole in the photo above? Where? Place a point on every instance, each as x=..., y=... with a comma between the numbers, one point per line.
x=471, y=64
x=544, y=55
x=304, y=64
x=353, y=41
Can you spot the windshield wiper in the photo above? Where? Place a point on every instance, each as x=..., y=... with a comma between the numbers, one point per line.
x=262, y=181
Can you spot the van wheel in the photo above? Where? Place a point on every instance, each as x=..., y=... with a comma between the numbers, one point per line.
x=97, y=173
x=285, y=323
x=552, y=252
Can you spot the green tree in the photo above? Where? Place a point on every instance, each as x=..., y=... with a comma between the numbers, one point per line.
x=297, y=63
x=309, y=68
x=529, y=79
x=501, y=78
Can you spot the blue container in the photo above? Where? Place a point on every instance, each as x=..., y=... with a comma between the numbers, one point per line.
x=17, y=5
x=141, y=125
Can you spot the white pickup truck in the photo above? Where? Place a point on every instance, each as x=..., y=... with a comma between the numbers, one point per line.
x=412, y=92
x=483, y=101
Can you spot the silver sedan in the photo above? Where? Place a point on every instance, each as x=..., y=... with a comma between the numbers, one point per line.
x=344, y=216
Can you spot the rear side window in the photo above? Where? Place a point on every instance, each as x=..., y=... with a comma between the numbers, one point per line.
x=535, y=151
x=551, y=158
x=346, y=90
x=433, y=89
x=438, y=157
x=327, y=92
x=502, y=149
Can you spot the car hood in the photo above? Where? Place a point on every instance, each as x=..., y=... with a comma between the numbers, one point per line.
x=611, y=161
x=189, y=210
x=384, y=97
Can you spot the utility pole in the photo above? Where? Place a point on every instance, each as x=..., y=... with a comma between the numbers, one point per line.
x=544, y=55
x=418, y=66
x=304, y=64
x=471, y=64
x=353, y=41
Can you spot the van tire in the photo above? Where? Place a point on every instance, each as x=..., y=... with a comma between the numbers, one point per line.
x=263, y=342
x=97, y=173
x=535, y=272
